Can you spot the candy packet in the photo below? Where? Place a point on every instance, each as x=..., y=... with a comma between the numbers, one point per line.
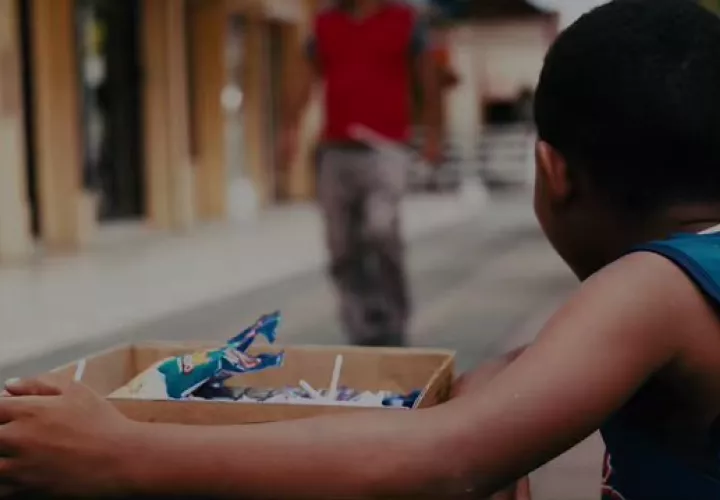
x=180, y=377
x=344, y=396
x=402, y=400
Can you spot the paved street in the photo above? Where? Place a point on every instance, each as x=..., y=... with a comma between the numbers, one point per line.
x=480, y=287
x=474, y=282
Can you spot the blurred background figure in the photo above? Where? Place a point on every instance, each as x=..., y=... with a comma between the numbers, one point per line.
x=365, y=53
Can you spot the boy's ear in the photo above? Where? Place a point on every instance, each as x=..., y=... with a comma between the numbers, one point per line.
x=552, y=167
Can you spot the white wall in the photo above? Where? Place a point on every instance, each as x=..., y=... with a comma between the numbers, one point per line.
x=569, y=10
x=511, y=56
x=493, y=60
x=462, y=117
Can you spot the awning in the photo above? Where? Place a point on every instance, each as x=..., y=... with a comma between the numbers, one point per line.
x=489, y=9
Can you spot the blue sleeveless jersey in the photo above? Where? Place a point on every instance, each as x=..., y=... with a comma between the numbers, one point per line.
x=636, y=468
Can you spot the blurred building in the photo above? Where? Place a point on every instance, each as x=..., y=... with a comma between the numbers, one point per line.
x=164, y=113
x=161, y=112
x=497, y=48
x=713, y=5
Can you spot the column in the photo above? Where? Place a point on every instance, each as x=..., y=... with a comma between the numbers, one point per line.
x=169, y=171
x=254, y=103
x=303, y=169
x=57, y=128
x=207, y=20
x=15, y=237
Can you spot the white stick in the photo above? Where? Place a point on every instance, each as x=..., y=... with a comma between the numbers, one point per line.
x=80, y=370
x=377, y=141
x=332, y=394
x=313, y=393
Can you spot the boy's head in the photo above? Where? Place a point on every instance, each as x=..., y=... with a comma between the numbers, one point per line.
x=628, y=117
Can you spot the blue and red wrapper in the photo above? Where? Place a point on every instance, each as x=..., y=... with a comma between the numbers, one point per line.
x=186, y=374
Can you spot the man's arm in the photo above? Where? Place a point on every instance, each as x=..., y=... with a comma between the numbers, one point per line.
x=296, y=95
x=298, y=88
x=427, y=74
x=592, y=356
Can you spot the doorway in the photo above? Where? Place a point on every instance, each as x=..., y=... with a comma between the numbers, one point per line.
x=29, y=112
x=280, y=190
x=108, y=41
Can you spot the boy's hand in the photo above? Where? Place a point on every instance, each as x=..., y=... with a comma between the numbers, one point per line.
x=61, y=441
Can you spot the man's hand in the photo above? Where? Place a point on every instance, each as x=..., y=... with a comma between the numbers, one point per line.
x=62, y=441
x=432, y=150
x=448, y=78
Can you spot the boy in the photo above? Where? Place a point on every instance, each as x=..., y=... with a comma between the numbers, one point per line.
x=628, y=114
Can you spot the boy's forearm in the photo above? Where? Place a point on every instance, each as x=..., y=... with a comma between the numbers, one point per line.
x=395, y=453
x=477, y=379
x=387, y=454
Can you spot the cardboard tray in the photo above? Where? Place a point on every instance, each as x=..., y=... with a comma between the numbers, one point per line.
x=393, y=369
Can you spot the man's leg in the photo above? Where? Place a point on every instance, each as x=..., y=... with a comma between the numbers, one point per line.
x=389, y=303
x=339, y=195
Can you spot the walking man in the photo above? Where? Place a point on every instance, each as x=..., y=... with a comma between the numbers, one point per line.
x=367, y=53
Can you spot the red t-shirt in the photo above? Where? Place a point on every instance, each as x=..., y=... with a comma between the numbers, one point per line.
x=366, y=65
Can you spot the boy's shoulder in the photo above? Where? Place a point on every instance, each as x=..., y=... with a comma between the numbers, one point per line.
x=658, y=276
x=642, y=301
x=667, y=295
x=696, y=256
x=644, y=276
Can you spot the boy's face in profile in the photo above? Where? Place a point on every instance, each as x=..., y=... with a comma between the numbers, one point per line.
x=562, y=209
x=543, y=196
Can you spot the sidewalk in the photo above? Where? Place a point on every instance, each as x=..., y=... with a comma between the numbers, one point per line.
x=132, y=276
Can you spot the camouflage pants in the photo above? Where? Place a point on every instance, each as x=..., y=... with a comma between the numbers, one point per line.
x=360, y=192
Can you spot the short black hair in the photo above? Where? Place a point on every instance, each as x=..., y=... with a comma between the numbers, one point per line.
x=630, y=95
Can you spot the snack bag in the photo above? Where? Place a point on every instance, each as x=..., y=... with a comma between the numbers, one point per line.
x=183, y=375
x=403, y=400
x=266, y=326
x=179, y=377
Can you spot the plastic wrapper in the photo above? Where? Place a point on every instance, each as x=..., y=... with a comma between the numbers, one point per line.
x=402, y=401
x=202, y=375
x=297, y=395
x=180, y=377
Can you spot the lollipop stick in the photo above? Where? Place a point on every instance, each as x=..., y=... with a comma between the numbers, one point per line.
x=309, y=389
x=332, y=394
x=80, y=370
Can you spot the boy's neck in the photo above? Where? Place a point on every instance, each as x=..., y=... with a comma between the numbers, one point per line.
x=360, y=8
x=626, y=235
x=694, y=218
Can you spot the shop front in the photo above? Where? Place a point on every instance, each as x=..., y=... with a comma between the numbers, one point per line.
x=158, y=112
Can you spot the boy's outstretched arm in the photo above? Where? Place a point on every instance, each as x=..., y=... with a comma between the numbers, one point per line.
x=593, y=355
x=477, y=379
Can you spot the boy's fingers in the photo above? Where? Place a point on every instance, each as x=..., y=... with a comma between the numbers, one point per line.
x=31, y=387
x=6, y=469
x=523, y=492
x=508, y=494
x=15, y=408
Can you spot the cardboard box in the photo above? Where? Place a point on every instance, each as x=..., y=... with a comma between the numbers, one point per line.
x=372, y=369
